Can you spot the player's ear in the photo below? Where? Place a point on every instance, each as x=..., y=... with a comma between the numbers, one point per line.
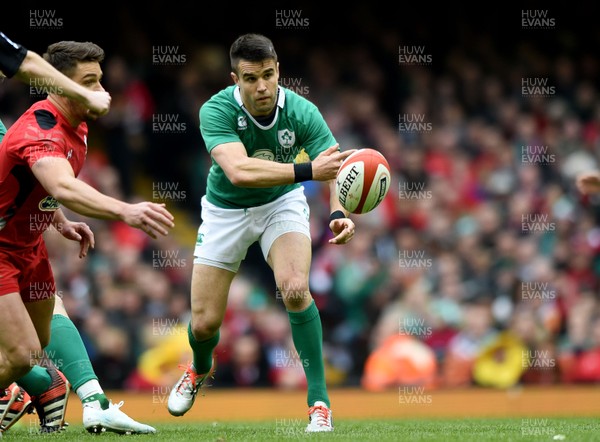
x=234, y=77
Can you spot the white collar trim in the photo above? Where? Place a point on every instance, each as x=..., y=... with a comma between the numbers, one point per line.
x=280, y=104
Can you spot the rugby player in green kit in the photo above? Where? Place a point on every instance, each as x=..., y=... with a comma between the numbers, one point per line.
x=264, y=141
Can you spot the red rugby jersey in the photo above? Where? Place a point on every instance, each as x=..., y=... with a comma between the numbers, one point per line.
x=26, y=208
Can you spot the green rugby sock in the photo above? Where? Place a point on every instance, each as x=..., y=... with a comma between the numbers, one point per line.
x=307, y=335
x=67, y=351
x=203, y=350
x=36, y=381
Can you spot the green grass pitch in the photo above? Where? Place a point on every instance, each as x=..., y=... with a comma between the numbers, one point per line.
x=447, y=430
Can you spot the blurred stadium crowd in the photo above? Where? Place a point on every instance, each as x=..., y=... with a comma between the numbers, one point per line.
x=480, y=267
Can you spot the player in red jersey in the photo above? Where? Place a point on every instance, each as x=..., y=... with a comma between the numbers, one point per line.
x=40, y=158
x=29, y=67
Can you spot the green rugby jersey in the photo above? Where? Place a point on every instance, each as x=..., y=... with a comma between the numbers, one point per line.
x=2, y=130
x=297, y=125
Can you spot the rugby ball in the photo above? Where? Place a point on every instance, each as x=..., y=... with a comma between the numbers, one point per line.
x=363, y=181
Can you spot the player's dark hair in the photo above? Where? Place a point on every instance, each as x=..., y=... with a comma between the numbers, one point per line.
x=251, y=47
x=65, y=55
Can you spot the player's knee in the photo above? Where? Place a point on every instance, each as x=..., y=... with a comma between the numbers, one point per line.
x=294, y=292
x=21, y=358
x=205, y=329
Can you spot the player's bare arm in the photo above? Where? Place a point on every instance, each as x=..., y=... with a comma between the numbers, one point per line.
x=57, y=177
x=34, y=66
x=75, y=231
x=342, y=227
x=244, y=171
x=588, y=182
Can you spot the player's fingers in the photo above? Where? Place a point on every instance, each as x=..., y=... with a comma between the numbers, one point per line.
x=338, y=239
x=146, y=228
x=87, y=234
x=84, y=239
x=343, y=224
x=157, y=223
x=84, y=246
x=92, y=239
x=345, y=154
x=160, y=221
x=160, y=208
x=331, y=150
x=343, y=237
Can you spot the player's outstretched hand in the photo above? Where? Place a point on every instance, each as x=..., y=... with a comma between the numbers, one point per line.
x=79, y=232
x=98, y=103
x=152, y=218
x=327, y=164
x=588, y=182
x=343, y=229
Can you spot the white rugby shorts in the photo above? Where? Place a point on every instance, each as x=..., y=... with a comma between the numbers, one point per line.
x=225, y=235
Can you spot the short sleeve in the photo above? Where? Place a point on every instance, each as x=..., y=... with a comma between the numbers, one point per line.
x=217, y=126
x=11, y=56
x=33, y=152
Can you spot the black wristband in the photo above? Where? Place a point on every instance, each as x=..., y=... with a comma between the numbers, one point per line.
x=338, y=214
x=302, y=172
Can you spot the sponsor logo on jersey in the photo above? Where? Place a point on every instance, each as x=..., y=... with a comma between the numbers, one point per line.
x=264, y=154
x=242, y=122
x=49, y=203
